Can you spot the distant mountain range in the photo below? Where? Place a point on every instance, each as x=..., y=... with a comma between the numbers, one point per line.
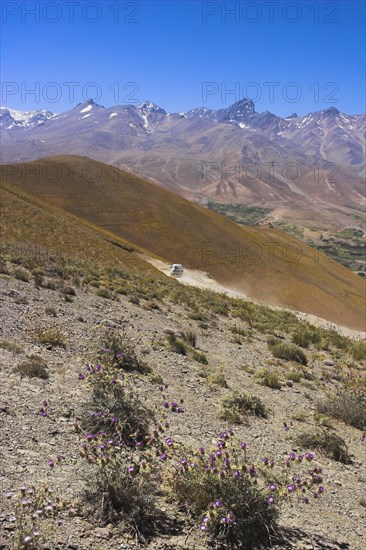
x=309, y=168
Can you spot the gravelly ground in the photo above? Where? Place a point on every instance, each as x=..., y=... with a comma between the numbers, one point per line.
x=338, y=520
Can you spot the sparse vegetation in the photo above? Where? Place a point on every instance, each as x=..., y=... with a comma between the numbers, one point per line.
x=21, y=275
x=294, y=375
x=122, y=488
x=50, y=335
x=34, y=367
x=305, y=336
x=69, y=291
x=269, y=378
x=331, y=444
x=236, y=406
x=346, y=405
x=13, y=347
x=249, y=518
x=38, y=277
x=177, y=345
x=218, y=379
x=287, y=351
x=200, y=357
x=190, y=337
x=104, y=293
x=116, y=352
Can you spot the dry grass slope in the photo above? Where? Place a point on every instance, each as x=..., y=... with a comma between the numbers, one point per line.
x=265, y=264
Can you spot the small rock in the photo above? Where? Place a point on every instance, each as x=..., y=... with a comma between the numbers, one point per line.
x=109, y=322
x=168, y=331
x=13, y=293
x=328, y=362
x=102, y=532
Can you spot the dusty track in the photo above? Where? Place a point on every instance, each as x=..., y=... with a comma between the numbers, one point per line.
x=201, y=279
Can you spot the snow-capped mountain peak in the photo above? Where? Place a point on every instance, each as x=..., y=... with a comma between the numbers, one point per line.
x=151, y=107
x=11, y=118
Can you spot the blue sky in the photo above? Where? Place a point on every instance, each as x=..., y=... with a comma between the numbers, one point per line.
x=287, y=56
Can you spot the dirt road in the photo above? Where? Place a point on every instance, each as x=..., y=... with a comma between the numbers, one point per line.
x=201, y=279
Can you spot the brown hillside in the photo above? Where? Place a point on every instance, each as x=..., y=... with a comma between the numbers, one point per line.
x=263, y=263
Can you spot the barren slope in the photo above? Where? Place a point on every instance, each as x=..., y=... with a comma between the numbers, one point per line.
x=263, y=263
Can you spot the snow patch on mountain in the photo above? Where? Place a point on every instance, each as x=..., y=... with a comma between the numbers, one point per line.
x=86, y=109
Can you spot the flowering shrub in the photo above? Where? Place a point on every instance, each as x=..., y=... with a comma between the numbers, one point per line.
x=115, y=352
x=121, y=484
x=36, y=513
x=112, y=407
x=231, y=496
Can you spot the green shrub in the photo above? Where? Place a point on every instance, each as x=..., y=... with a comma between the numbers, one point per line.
x=287, y=351
x=115, y=494
x=200, y=357
x=21, y=275
x=3, y=268
x=197, y=316
x=218, y=379
x=294, y=375
x=121, y=290
x=331, y=444
x=50, y=335
x=123, y=405
x=11, y=346
x=21, y=300
x=51, y=311
x=133, y=299
x=303, y=337
x=34, y=367
x=104, y=293
x=237, y=329
x=152, y=305
x=177, y=345
x=115, y=351
x=346, y=405
x=190, y=337
x=358, y=350
x=201, y=492
x=69, y=291
x=38, y=278
x=269, y=379
x=237, y=405
x=51, y=285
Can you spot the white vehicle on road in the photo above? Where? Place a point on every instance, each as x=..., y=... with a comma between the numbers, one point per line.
x=176, y=270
